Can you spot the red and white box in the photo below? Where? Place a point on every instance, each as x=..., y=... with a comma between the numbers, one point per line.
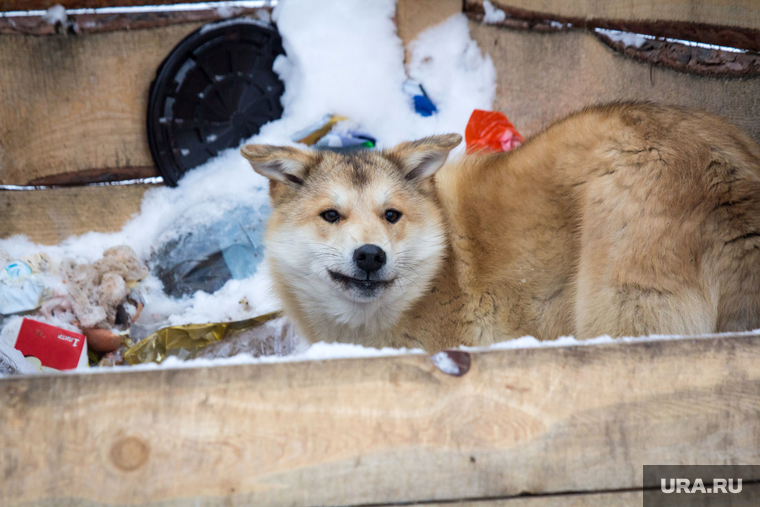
x=52, y=347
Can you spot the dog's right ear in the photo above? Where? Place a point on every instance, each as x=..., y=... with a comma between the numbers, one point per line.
x=278, y=163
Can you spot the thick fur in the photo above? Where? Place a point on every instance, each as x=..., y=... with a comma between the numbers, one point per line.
x=625, y=219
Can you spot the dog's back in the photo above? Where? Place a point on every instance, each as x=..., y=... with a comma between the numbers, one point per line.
x=627, y=219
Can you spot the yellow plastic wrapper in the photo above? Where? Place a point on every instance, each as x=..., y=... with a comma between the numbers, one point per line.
x=314, y=133
x=184, y=341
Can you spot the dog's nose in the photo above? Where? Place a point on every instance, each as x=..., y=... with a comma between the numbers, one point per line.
x=369, y=258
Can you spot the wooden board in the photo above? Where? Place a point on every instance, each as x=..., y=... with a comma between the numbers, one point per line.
x=750, y=493
x=543, y=76
x=80, y=23
x=616, y=499
x=415, y=16
x=738, y=13
x=50, y=216
x=72, y=104
x=381, y=430
x=30, y=5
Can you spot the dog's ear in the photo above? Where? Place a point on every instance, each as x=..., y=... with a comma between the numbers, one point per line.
x=278, y=163
x=421, y=159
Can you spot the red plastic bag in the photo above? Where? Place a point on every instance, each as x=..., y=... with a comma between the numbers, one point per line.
x=491, y=131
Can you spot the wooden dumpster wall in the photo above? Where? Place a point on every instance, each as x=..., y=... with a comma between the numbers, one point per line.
x=572, y=425
x=545, y=76
x=548, y=421
x=77, y=104
x=735, y=13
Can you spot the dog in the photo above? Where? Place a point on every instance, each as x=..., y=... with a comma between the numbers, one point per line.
x=626, y=219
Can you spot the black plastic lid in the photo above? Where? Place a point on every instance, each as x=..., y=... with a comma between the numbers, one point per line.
x=216, y=88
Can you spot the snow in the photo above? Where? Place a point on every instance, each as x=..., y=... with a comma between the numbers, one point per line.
x=443, y=361
x=638, y=40
x=493, y=15
x=343, y=58
x=627, y=38
x=55, y=15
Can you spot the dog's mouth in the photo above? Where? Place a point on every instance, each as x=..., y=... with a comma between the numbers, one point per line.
x=364, y=285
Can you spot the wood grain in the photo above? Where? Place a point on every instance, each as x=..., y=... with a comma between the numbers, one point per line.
x=616, y=499
x=415, y=16
x=94, y=22
x=737, y=13
x=542, y=77
x=381, y=430
x=50, y=216
x=30, y=5
x=77, y=103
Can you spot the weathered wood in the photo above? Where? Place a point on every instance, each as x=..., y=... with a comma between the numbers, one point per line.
x=30, y=5
x=748, y=498
x=50, y=216
x=95, y=22
x=415, y=16
x=664, y=28
x=381, y=430
x=616, y=499
x=71, y=104
x=543, y=76
x=736, y=13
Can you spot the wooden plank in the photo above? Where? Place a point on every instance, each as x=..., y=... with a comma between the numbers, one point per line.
x=73, y=104
x=748, y=498
x=543, y=76
x=736, y=13
x=613, y=499
x=50, y=216
x=98, y=21
x=415, y=16
x=381, y=430
x=30, y=5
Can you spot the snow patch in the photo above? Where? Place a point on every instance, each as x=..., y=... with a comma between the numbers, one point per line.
x=627, y=38
x=493, y=15
x=55, y=15
x=443, y=362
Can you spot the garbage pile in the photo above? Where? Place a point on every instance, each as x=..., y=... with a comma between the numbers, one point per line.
x=78, y=315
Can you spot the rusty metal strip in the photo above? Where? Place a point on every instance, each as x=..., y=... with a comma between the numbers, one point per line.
x=86, y=20
x=693, y=48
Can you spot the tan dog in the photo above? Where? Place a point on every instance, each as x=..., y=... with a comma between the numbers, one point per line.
x=626, y=219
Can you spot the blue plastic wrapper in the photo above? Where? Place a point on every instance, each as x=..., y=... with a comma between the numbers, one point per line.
x=422, y=103
x=211, y=254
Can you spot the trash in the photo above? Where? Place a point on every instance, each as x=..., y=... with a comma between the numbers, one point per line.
x=349, y=140
x=490, y=131
x=422, y=103
x=209, y=255
x=185, y=341
x=50, y=347
x=102, y=340
x=22, y=287
x=216, y=88
x=314, y=132
x=324, y=136
x=96, y=290
x=13, y=362
x=276, y=337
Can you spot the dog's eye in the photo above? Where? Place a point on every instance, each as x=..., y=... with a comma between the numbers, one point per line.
x=330, y=215
x=392, y=215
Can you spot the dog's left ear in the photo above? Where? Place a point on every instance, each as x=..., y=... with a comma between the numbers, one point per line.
x=278, y=163
x=421, y=159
